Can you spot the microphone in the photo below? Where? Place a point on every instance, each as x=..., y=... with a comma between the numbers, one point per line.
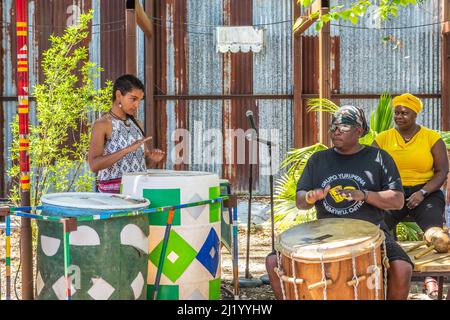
x=251, y=120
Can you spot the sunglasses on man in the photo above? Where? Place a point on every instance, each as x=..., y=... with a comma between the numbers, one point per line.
x=343, y=128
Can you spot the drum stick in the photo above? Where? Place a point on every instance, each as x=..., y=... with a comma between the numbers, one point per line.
x=418, y=245
x=424, y=252
x=163, y=254
x=146, y=139
x=430, y=260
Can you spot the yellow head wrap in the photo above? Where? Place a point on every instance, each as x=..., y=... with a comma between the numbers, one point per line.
x=409, y=101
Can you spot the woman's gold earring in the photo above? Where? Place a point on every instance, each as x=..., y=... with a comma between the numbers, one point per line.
x=120, y=105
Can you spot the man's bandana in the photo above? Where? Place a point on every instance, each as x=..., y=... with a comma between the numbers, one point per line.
x=351, y=115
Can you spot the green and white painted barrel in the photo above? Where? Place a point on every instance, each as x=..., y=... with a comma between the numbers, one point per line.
x=108, y=258
x=191, y=267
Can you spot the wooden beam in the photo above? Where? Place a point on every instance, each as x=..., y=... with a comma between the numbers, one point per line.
x=150, y=103
x=298, y=110
x=324, y=77
x=130, y=42
x=302, y=24
x=445, y=67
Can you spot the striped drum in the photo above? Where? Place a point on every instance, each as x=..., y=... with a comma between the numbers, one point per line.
x=108, y=257
x=192, y=262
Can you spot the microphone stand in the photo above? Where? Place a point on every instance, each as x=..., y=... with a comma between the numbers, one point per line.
x=249, y=281
x=265, y=278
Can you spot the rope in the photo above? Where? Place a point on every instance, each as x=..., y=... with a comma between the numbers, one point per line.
x=376, y=270
x=294, y=276
x=280, y=268
x=324, y=279
x=355, y=277
x=385, y=258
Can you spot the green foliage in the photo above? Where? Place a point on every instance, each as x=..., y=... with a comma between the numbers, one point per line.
x=445, y=135
x=286, y=212
x=385, y=9
x=409, y=231
x=64, y=101
x=382, y=118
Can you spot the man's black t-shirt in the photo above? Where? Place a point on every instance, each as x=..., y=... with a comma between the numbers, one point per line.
x=369, y=169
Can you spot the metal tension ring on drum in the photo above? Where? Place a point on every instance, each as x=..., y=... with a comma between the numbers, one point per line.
x=286, y=278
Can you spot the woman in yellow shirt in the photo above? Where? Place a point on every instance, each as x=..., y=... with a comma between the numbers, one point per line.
x=421, y=158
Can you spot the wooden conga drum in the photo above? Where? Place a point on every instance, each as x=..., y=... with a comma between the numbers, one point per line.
x=335, y=259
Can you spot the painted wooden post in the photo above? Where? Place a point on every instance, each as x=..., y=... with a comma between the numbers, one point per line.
x=24, y=161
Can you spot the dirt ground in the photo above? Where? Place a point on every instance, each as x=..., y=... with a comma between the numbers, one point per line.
x=260, y=246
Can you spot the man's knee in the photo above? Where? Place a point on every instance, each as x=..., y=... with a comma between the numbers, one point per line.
x=401, y=270
x=271, y=262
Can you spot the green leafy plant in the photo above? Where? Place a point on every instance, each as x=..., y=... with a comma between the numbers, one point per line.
x=445, y=135
x=385, y=9
x=286, y=212
x=64, y=102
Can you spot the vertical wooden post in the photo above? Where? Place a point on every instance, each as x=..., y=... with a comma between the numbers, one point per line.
x=150, y=106
x=445, y=65
x=130, y=40
x=298, y=111
x=324, y=74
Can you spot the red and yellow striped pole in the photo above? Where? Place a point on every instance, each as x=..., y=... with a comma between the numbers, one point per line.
x=24, y=160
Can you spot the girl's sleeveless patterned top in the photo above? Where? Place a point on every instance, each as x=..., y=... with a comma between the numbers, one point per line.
x=123, y=136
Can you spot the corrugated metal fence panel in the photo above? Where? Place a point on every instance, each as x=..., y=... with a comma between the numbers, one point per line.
x=205, y=76
x=140, y=50
x=275, y=119
x=272, y=74
x=112, y=17
x=9, y=80
x=394, y=60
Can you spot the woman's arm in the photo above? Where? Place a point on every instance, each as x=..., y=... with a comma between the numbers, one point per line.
x=98, y=161
x=439, y=152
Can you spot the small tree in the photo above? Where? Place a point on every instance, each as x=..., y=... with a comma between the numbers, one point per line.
x=64, y=102
x=353, y=11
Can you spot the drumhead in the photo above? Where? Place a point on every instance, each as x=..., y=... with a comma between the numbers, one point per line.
x=88, y=203
x=169, y=173
x=329, y=239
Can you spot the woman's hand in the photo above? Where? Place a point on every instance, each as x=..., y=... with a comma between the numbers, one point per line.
x=136, y=145
x=414, y=200
x=155, y=155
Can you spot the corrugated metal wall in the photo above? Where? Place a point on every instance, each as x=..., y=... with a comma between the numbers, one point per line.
x=394, y=59
x=188, y=64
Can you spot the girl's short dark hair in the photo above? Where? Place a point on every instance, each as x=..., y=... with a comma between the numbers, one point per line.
x=126, y=83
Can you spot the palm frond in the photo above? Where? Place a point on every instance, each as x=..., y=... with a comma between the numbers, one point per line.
x=322, y=105
x=285, y=209
x=297, y=158
x=408, y=231
x=368, y=138
x=382, y=118
x=445, y=135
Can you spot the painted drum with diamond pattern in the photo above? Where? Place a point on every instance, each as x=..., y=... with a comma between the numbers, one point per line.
x=108, y=257
x=192, y=263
